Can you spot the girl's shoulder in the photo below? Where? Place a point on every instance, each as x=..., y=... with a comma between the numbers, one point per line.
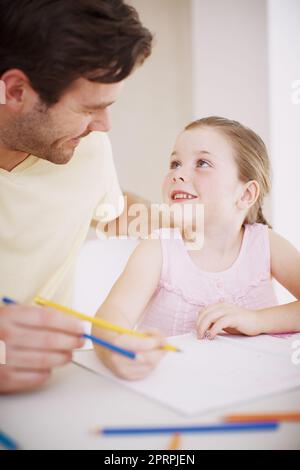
x=148, y=247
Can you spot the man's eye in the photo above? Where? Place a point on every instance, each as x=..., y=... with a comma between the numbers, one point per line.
x=203, y=164
x=174, y=165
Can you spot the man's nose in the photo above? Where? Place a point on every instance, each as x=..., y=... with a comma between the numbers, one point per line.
x=101, y=122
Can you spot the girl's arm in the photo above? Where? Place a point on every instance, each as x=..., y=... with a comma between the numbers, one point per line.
x=132, y=291
x=125, y=305
x=285, y=268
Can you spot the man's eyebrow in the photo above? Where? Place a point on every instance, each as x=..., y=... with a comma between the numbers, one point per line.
x=95, y=107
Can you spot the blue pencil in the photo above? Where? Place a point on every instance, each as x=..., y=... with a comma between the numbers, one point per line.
x=207, y=428
x=7, y=442
x=110, y=346
x=101, y=342
x=8, y=301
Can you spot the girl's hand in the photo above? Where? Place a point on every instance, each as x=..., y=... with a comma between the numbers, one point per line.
x=231, y=318
x=149, y=352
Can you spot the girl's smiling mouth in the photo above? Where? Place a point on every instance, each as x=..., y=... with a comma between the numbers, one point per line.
x=179, y=195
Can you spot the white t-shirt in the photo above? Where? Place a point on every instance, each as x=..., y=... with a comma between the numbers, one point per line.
x=45, y=213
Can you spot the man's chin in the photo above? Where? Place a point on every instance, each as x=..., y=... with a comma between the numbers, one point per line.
x=61, y=158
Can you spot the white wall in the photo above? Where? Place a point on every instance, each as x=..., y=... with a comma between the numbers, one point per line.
x=230, y=68
x=284, y=63
x=284, y=70
x=157, y=100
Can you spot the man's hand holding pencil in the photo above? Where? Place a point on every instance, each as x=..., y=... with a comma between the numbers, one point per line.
x=41, y=338
x=37, y=339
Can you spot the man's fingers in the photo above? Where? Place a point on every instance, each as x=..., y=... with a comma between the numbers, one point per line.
x=36, y=360
x=49, y=319
x=43, y=339
x=14, y=380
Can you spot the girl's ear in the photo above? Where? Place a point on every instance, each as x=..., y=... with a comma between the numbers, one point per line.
x=249, y=195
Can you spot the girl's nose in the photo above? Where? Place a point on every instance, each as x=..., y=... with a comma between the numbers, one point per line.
x=178, y=178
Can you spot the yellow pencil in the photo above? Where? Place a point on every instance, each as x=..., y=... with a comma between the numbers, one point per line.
x=97, y=321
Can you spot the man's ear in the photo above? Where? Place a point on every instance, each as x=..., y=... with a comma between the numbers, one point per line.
x=19, y=95
x=249, y=195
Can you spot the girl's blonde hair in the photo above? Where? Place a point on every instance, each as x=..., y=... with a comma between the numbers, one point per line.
x=251, y=157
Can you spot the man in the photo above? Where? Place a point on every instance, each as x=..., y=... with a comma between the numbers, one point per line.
x=62, y=63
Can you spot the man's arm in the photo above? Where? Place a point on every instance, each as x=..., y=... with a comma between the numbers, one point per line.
x=136, y=220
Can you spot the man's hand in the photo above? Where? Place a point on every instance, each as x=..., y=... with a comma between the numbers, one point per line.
x=121, y=226
x=37, y=339
x=228, y=317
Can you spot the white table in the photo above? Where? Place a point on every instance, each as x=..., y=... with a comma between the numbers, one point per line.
x=64, y=414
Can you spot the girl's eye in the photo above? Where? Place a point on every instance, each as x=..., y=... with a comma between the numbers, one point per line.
x=203, y=164
x=174, y=165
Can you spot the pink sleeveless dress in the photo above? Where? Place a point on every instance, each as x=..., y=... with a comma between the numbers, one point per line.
x=184, y=289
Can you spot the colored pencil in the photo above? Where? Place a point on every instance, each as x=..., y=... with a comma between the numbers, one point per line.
x=257, y=417
x=97, y=321
x=175, y=442
x=96, y=340
x=203, y=428
x=8, y=301
x=110, y=346
x=7, y=442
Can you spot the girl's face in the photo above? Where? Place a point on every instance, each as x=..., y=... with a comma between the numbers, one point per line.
x=203, y=170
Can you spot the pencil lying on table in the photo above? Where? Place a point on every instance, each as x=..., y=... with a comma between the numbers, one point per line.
x=97, y=321
x=7, y=442
x=257, y=417
x=100, y=342
x=202, y=428
x=175, y=441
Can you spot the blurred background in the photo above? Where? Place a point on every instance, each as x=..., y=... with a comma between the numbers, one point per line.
x=234, y=58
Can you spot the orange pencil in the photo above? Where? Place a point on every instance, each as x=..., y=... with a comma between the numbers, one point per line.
x=257, y=417
x=175, y=442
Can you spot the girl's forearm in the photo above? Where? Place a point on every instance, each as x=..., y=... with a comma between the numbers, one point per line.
x=112, y=314
x=280, y=319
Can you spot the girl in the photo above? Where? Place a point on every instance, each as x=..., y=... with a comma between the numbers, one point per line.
x=227, y=284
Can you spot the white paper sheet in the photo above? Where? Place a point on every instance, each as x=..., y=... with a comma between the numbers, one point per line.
x=278, y=345
x=209, y=374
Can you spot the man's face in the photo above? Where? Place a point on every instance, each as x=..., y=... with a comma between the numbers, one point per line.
x=53, y=133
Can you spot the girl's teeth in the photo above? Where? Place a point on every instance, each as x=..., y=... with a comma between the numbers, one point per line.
x=183, y=196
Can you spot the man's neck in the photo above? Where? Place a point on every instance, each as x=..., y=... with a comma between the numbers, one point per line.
x=9, y=159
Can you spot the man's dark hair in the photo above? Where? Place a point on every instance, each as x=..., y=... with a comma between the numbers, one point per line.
x=55, y=42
